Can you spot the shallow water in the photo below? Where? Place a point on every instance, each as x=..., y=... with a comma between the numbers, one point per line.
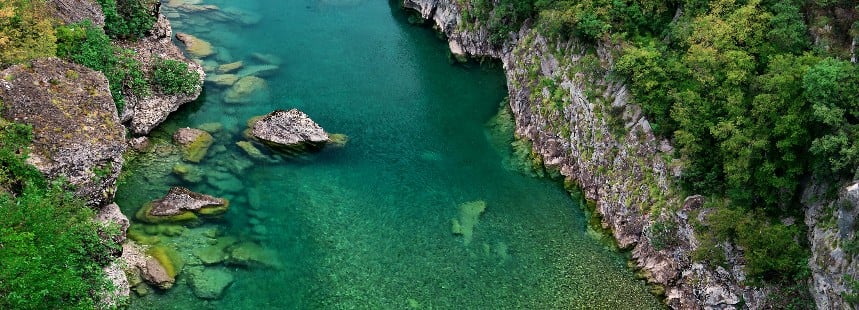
x=369, y=225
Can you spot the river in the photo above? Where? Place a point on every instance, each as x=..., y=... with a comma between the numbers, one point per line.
x=370, y=225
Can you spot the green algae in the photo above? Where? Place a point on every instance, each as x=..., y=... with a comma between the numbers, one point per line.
x=195, y=151
x=168, y=258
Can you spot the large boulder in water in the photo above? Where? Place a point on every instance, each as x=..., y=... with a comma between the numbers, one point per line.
x=76, y=130
x=181, y=204
x=289, y=131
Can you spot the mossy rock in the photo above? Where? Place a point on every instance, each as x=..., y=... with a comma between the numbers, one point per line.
x=210, y=283
x=215, y=210
x=250, y=254
x=139, y=235
x=168, y=258
x=193, y=143
x=251, y=150
x=215, y=253
x=188, y=173
x=144, y=215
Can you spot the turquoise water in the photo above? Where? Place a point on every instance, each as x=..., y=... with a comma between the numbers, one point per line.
x=369, y=225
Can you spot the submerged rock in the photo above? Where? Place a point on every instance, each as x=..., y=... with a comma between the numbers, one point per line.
x=194, y=143
x=210, y=283
x=289, y=131
x=195, y=46
x=262, y=70
x=230, y=67
x=250, y=254
x=224, y=79
x=181, y=204
x=246, y=90
x=469, y=214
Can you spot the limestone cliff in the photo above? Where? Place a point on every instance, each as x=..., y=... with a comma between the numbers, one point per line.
x=584, y=125
x=77, y=133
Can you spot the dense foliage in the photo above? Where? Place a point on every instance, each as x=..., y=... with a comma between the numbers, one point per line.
x=88, y=45
x=25, y=31
x=127, y=19
x=50, y=251
x=173, y=77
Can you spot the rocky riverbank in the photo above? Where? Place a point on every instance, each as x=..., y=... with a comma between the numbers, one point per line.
x=600, y=141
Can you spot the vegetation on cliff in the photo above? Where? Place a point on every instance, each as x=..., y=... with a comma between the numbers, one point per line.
x=28, y=31
x=758, y=96
x=51, y=252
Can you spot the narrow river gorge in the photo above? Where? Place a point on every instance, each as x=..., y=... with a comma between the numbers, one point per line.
x=368, y=225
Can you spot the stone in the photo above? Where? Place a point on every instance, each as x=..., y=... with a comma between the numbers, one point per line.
x=457, y=52
x=250, y=254
x=230, y=67
x=210, y=283
x=119, y=280
x=181, y=204
x=246, y=89
x=224, y=79
x=195, y=46
x=194, y=143
x=267, y=58
x=77, y=133
x=212, y=128
x=251, y=150
x=289, y=131
x=140, y=144
x=215, y=253
x=261, y=70
x=112, y=215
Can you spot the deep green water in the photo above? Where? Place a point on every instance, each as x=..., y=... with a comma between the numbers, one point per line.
x=368, y=226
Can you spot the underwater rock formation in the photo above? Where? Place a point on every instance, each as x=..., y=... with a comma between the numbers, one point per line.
x=210, y=283
x=76, y=130
x=469, y=214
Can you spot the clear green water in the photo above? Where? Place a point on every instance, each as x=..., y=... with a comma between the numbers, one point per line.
x=368, y=226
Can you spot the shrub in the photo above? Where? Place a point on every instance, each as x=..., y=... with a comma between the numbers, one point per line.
x=127, y=19
x=174, y=77
x=87, y=45
x=50, y=249
x=25, y=31
x=771, y=250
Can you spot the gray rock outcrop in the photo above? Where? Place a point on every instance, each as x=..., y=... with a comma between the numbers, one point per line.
x=289, y=129
x=112, y=215
x=77, y=133
x=75, y=11
x=143, y=114
x=834, y=245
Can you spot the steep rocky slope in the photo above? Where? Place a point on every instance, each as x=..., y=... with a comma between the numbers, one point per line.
x=584, y=125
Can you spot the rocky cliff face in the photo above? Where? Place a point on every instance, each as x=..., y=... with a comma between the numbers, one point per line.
x=77, y=131
x=75, y=11
x=834, y=262
x=585, y=126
